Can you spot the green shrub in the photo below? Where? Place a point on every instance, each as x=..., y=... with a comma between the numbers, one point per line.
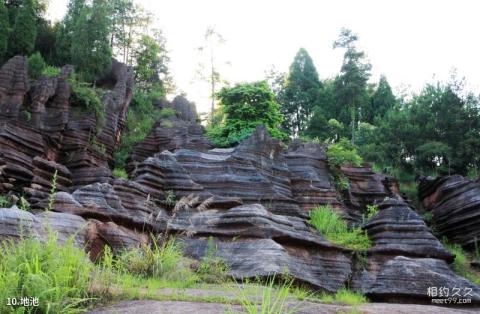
x=167, y=124
x=165, y=261
x=212, y=269
x=167, y=113
x=334, y=229
x=371, y=211
x=141, y=117
x=86, y=97
x=343, y=153
x=51, y=71
x=120, y=173
x=36, y=64
x=5, y=201
x=243, y=108
x=58, y=275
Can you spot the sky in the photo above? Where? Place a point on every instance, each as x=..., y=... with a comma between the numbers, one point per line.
x=412, y=42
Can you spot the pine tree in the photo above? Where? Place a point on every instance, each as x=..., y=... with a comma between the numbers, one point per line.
x=351, y=85
x=64, y=36
x=4, y=31
x=383, y=99
x=24, y=30
x=91, y=52
x=301, y=93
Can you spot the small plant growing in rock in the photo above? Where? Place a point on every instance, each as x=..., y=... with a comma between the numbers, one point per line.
x=334, y=229
x=212, y=269
x=170, y=199
x=24, y=204
x=53, y=190
x=167, y=113
x=120, y=173
x=5, y=201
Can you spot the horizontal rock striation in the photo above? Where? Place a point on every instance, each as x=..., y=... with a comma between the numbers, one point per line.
x=454, y=202
x=405, y=259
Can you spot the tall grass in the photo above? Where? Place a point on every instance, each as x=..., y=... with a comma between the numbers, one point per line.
x=334, y=229
x=273, y=299
x=461, y=264
x=58, y=276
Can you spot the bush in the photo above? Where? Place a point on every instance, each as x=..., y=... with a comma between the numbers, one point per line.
x=167, y=113
x=36, y=64
x=51, y=71
x=5, y=201
x=334, y=229
x=243, y=108
x=343, y=153
x=141, y=117
x=165, y=261
x=461, y=264
x=57, y=274
x=86, y=97
x=120, y=173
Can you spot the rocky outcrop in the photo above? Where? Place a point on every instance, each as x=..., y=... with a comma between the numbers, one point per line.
x=405, y=259
x=454, y=202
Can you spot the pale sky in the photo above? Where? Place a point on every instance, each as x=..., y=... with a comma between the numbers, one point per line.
x=410, y=41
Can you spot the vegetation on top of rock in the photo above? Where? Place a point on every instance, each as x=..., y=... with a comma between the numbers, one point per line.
x=36, y=64
x=142, y=115
x=343, y=153
x=335, y=229
x=461, y=264
x=87, y=98
x=242, y=108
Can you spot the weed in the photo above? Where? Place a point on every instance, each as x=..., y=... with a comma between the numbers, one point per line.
x=167, y=113
x=24, y=204
x=273, y=299
x=334, y=229
x=170, y=199
x=212, y=269
x=461, y=264
x=345, y=296
x=120, y=173
x=53, y=190
x=5, y=201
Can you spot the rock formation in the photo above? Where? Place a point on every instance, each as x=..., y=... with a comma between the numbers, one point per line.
x=250, y=202
x=454, y=202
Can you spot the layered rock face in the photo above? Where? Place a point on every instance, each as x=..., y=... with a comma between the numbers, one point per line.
x=250, y=203
x=454, y=202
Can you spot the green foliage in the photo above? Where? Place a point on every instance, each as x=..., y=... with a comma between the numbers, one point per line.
x=24, y=30
x=5, y=201
x=244, y=107
x=461, y=264
x=58, y=275
x=334, y=229
x=51, y=71
x=167, y=113
x=212, y=269
x=141, y=117
x=273, y=299
x=170, y=199
x=86, y=97
x=90, y=46
x=343, y=153
x=348, y=297
x=151, y=62
x=36, y=65
x=351, y=85
x=156, y=261
x=4, y=31
x=301, y=93
x=166, y=124
x=120, y=173
x=372, y=210
x=24, y=204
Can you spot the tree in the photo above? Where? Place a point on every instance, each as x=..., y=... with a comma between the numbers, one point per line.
x=65, y=32
x=91, y=52
x=244, y=107
x=24, y=29
x=382, y=100
x=301, y=93
x=210, y=72
x=4, y=31
x=350, y=86
x=151, y=63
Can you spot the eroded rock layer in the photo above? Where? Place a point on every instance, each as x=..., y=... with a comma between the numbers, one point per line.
x=454, y=202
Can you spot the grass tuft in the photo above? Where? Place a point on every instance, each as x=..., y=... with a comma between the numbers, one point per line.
x=334, y=229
